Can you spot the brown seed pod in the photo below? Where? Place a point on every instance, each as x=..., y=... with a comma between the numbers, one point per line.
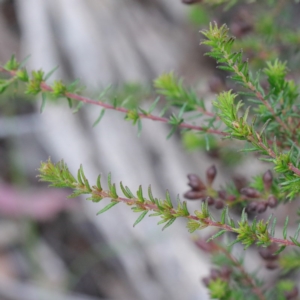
x=239, y=29
x=219, y=204
x=272, y=265
x=261, y=207
x=231, y=198
x=239, y=181
x=222, y=194
x=194, y=195
x=252, y=206
x=214, y=274
x=195, y=182
x=216, y=85
x=211, y=173
x=206, y=281
x=226, y=272
x=250, y=192
x=210, y=200
x=268, y=179
x=268, y=253
x=272, y=201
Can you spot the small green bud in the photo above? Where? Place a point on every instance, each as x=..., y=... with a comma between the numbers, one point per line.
x=12, y=64
x=59, y=89
x=22, y=75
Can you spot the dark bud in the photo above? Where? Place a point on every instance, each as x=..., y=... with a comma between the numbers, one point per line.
x=271, y=265
x=214, y=274
x=206, y=281
x=194, y=195
x=267, y=179
x=251, y=207
x=231, y=198
x=239, y=182
x=250, y=192
x=216, y=85
x=268, y=253
x=206, y=247
x=239, y=29
x=225, y=272
x=261, y=207
x=195, y=182
x=219, y=204
x=210, y=201
x=211, y=173
x=222, y=194
x=292, y=295
x=272, y=201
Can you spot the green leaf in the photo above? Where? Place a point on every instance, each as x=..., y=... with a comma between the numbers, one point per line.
x=126, y=194
x=216, y=235
x=44, y=98
x=170, y=222
x=79, y=178
x=129, y=192
x=103, y=93
x=264, y=126
x=113, y=192
x=182, y=110
x=150, y=194
x=153, y=105
x=223, y=215
x=109, y=181
x=279, y=250
x=78, y=106
x=207, y=144
x=70, y=103
x=99, y=118
x=172, y=131
x=140, y=127
x=285, y=227
x=86, y=182
x=184, y=207
x=48, y=75
x=139, y=194
x=99, y=182
x=107, y=207
x=296, y=235
x=168, y=199
x=244, y=216
x=140, y=218
x=295, y=241
x=24, y=61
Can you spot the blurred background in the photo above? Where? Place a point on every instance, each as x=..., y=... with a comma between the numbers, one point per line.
x=57, y=248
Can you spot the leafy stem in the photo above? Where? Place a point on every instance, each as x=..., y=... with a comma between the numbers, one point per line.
x=59, y=90
x=256, y=233
x=221, y=44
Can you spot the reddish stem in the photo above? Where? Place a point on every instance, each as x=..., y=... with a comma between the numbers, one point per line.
x=147, y=205
x=76, y=97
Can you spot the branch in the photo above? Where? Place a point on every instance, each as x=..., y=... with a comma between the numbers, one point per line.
x=257, y=233
x=44, y=87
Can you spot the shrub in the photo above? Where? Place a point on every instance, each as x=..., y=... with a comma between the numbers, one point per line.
x=269, y=127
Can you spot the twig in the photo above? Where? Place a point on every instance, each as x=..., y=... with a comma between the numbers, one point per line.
x=77, y=97
x=148, y=205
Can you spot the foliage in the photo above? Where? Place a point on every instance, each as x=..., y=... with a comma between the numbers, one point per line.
x=269, y=127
